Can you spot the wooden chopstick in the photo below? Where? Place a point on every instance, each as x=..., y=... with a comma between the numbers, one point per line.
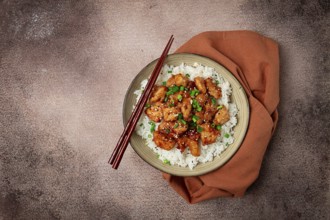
x=121, y=146
x=147, y=90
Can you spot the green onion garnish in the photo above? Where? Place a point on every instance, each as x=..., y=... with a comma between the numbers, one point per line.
x=164, y=83
x=180, y=97
x=182, y=88
x=148, y=105
x=217, y=82
x=176, y=125
x=180, y=116
x=214, y=101
x=194, y=92
x=153, y=126
x=195, y=118
x=187, y=75
x=149, y=135
x=169, y=71
x=182, y=121
x=212, y=125
x=166, y=161
x=199, y=129
x=219, y=107
x=218, y=127
x=227, y=135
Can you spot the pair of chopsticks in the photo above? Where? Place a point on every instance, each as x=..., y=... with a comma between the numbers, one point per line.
x=121, y=146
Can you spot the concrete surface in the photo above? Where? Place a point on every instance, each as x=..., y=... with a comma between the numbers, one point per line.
x=65, y=67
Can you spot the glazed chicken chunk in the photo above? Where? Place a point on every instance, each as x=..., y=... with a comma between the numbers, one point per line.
x=212, y=88
x=155, y=112
x=200, y=84
x=184, y=142
x=158, y=94
x=208, y=135
x=222, y=116
x=210, y=110
x=172, y=128
x=163, y=141
x=186, y=108
x=171, y=113
x=179, y=80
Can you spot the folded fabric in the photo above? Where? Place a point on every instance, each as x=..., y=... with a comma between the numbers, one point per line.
x=254, y=60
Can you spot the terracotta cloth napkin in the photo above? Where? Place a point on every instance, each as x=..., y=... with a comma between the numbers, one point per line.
x=254, y=60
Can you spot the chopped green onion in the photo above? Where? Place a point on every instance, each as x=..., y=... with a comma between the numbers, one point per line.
x=217, y=82
x=169, y=71
x=182, y=88
x=219, y=107
x=182, y=121
x=187, y=75
x=166, y=98
x=164, y=83
x=166, y=161
x=195, y=118
x=167, y=131
x=196, y=105
x=214, y=101
x=212, y=125
x=148, y=105
x=180, y=97
x=149, y=135
x=141, y=124
x=176, y=125
x=180, y=116
x=158, y=155
x=153, y=126
x=227, y=144
x=169, y=93
x=218, y=127
x=172, y=90
x=227, y=135
x=199, y=129
x=194, y=92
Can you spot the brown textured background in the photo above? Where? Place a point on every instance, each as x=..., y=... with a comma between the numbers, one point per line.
x=65, y=67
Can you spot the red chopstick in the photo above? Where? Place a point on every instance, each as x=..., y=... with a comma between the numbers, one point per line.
x=121, y=146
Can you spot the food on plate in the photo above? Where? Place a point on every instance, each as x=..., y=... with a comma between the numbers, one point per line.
x=188, y=118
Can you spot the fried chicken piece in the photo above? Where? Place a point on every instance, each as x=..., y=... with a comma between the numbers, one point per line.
x=155, y=112
x=201, y=99
x=193, y=134
x=186, y=108
x=179, y=128
x=184, y=142
x=200, y=84
x=200, y=116
x=163, y=141
x=222, y=116
x=158, y=94
x=213, y=89
x=179, y=80
x=171, y=113
x=173, y=129
x=210, y=110
x=208, y=134
x=175, y=99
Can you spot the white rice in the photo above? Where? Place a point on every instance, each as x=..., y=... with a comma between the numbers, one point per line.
x=208, y=152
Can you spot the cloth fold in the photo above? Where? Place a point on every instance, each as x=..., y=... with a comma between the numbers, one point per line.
x=254, y=60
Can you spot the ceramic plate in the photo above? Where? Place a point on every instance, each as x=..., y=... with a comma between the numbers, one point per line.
x=238, y=96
